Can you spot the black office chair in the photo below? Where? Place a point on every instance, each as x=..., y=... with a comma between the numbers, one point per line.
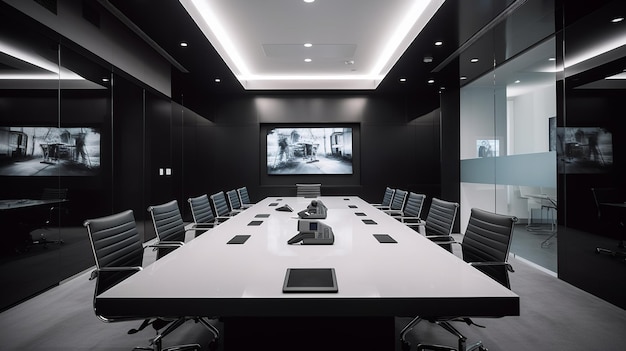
x=169, y=227
x=485, y=246
x=244, y=197
x=387, y=196
x=440, y=220
x=308, y=190
x=118, y=253
x=397, y=203
x=234, y=203
x=412, y=210
x=56, y=209
x=220, y=206
x=611, y=222
x=202, y=213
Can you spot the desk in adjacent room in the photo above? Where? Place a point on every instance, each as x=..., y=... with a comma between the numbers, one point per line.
x=16, y=214
x=208, y=277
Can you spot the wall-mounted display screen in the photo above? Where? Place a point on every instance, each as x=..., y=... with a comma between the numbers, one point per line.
x=309, y=150
x=49, y=151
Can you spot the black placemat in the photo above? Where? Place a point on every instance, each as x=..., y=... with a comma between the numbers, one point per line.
x=385, y=239
x=238, y=239
x=307, y=280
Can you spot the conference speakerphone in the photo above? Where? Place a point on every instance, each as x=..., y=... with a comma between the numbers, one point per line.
x=313, y=233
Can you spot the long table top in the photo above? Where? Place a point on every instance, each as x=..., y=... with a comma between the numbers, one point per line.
x=208, y=277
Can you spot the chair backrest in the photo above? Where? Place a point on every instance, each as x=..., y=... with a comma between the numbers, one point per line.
x=167, y=221
x=115, y=242
x=441, y=217
x=399, y=197
x=308, y=190
x=243, y=195
x=488, y=239
x=413, y=205
x=387, y=196
x=233, y=200
x=220, y=206
x=201, y=209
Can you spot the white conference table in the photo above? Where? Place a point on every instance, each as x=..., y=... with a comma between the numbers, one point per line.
x=208, y=277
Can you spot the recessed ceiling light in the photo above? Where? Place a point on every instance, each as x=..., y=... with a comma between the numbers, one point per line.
x=517, y=81
x=307, y=45
x=105, y=79
x=474, y=60
x=438, y=43
x=552, y=59
x=402, y=80
x=431, y=81
x=217, y=80
x=349, y=62
x=463, y=78
x=307, y=60
x=184, y=44
x=309, y=1
x=617, y=19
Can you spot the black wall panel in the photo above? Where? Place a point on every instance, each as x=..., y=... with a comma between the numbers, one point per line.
x=128, y=139
x=222, y=151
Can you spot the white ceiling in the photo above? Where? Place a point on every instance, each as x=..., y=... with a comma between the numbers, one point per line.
x=355, y=42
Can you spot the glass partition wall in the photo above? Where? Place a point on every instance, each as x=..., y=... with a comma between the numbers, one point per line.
x=541, y=110
x=54, y=109
x=507, y=119
x=67, y=153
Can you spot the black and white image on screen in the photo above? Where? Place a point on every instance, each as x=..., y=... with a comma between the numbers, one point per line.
x=315, y=150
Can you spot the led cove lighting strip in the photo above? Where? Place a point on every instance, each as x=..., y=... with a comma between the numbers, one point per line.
x=212, y=27
x=56, y=72
x=294, y=77
x=401, y=32
x=212, y=23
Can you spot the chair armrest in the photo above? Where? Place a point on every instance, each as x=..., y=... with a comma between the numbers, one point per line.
x=199, y=229
x=493, y=263
x=95, y=272
x=166, y=244
x=393, y=212
x=381, y=207
x=199, y=226
x=442, y=239
x=411, y=220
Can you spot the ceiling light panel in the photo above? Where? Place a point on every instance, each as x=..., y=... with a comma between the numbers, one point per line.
x=262, y=40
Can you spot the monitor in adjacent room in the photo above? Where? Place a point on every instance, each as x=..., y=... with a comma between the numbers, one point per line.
x=584, y=149
x=309, y=150
x=49, y=151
